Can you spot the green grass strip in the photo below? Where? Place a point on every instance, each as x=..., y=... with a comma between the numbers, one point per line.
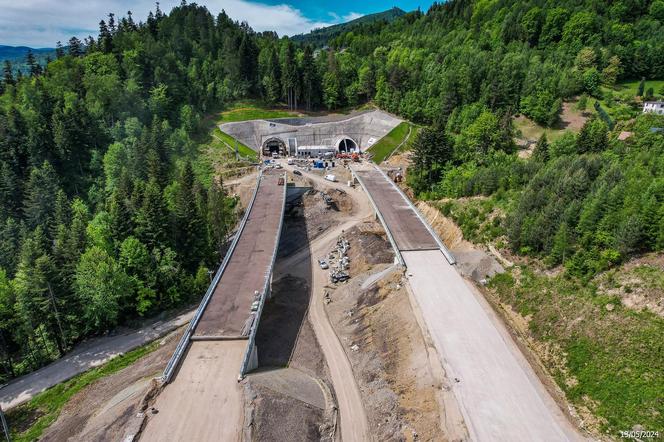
x=386, y=145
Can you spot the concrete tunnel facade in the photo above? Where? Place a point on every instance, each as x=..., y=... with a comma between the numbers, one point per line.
x=334, y=133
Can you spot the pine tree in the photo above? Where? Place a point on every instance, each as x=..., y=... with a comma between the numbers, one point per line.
x=310, y=81
x=190, y=238
x=541, y=151
x=8, y=74
x=33, y=67
x=10, y=242
x=40, y=196
x=120, y=210
x=152, y=221
x=75, y=47
x=641, y=88
x=10, y=191
x=289, y=75
x=220, y=217
x=105, y=38
x=59, y=50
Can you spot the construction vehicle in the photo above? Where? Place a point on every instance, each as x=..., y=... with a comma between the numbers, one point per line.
x=281, y=181
x=355, y=157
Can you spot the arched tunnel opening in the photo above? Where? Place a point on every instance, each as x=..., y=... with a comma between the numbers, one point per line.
x=347, y=145
x=274, y=145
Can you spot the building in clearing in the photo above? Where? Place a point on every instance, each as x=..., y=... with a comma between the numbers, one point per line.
x=653, y=107
x=314, y=136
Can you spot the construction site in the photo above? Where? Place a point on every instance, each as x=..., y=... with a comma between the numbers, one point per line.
x=341, y=312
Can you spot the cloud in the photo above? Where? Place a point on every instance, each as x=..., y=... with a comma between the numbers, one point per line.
x=41, y=23
x=352, y=16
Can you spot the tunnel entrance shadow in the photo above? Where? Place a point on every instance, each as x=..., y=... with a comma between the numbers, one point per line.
x=285, y=312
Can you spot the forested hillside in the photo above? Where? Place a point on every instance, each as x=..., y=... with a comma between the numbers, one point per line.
x=21, y=57
x=102, y=218
x=467, y=67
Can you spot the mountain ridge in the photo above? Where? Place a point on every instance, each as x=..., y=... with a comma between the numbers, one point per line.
x=320, y=36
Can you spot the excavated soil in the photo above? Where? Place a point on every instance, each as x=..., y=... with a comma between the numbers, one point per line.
x=311, y=216
x=472, y=261
x=374, y=320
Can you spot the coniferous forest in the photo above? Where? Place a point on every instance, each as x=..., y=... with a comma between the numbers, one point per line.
x=103, y=219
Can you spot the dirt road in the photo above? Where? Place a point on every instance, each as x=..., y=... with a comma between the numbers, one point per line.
x=354, y=423
x=501, y=397
x=208, y=376
x=87, y=355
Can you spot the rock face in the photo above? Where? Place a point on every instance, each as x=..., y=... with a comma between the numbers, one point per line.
x=363, y=128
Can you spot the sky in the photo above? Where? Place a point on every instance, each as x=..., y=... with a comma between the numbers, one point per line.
x=41, y=23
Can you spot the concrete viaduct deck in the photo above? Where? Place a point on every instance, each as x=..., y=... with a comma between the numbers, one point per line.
x=201, y=399
x=225, y=313
x=497, y=392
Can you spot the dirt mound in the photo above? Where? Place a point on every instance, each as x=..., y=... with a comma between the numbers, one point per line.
x=374, y=320
x=369, y=247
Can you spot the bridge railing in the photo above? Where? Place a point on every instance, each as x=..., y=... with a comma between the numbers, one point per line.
x=184, y=341
x=246, y=361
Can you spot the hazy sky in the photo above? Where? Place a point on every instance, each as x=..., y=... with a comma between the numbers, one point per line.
x=41, y=23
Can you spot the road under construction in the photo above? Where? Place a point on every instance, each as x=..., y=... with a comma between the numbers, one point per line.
x=497, y=392
x=202, y=399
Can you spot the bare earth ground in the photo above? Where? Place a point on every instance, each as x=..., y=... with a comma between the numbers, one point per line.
x=380, y=334
x=107, y=409
x=205, y=401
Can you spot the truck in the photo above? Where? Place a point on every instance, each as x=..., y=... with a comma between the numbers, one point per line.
x=331, y=177
x=281, y=181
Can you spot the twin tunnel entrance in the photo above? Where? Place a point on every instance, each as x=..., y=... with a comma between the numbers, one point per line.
x=276, y=145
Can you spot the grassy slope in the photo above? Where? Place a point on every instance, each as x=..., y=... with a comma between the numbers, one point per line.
x=252, y=110
x=213, y=153
x=622, y=107
x=46, y=406
x=612, y=363
x=386, y=145
x=632, y=87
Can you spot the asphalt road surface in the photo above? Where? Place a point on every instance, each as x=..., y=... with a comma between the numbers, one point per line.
x=408, y=231
x=501, y=398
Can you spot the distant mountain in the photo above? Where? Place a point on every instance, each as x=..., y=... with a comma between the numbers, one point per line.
x=320, y=37
x=16, y=55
